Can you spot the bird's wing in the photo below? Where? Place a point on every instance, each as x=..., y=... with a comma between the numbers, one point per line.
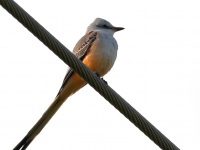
x=80, y=50
x=84, y=44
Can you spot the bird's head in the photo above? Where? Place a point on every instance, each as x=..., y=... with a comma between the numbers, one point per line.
x=101, y=24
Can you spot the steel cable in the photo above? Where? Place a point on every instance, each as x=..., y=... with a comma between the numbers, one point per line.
x=109, y=94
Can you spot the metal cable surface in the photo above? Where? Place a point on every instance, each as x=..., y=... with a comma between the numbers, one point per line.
x=109, y=94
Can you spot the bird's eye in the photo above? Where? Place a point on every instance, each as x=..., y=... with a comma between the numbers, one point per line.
x=104, y=26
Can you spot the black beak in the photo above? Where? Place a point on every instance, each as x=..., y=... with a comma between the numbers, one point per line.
x=118, y=28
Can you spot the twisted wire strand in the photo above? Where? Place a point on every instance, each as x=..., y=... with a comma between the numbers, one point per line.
x=109, y=94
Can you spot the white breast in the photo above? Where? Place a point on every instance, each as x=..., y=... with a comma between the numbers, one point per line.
x=105, y=51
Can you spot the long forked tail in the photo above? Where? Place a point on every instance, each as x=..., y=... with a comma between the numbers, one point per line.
x=70, y=85
x=23, y=144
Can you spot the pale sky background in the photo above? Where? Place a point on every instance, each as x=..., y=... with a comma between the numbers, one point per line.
x=157, y=71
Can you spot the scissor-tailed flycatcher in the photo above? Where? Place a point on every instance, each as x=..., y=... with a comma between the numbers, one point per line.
x=98, y=50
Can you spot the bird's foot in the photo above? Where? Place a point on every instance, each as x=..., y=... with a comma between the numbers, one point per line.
x=104, y=81
x=101, y=78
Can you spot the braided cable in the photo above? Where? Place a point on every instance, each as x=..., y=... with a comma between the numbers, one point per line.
x=108, y=93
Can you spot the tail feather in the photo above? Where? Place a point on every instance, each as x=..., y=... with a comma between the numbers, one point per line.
x=73, y=84
x=40, y=124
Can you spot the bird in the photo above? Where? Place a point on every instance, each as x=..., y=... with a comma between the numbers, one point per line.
x=97, y=49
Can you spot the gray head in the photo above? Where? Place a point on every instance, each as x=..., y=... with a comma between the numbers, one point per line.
x=101, y=24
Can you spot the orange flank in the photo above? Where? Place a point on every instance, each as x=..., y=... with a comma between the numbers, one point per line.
x=74, y=83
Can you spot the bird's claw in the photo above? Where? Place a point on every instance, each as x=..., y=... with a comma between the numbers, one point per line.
x=104, y=81
x=101, y=78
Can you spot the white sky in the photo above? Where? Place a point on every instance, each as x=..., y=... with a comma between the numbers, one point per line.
x=157, y=71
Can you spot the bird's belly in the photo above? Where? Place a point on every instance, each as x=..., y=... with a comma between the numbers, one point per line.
x=100, y=60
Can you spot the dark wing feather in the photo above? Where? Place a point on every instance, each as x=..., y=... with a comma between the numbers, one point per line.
x=80, y=50
x=84, y=44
